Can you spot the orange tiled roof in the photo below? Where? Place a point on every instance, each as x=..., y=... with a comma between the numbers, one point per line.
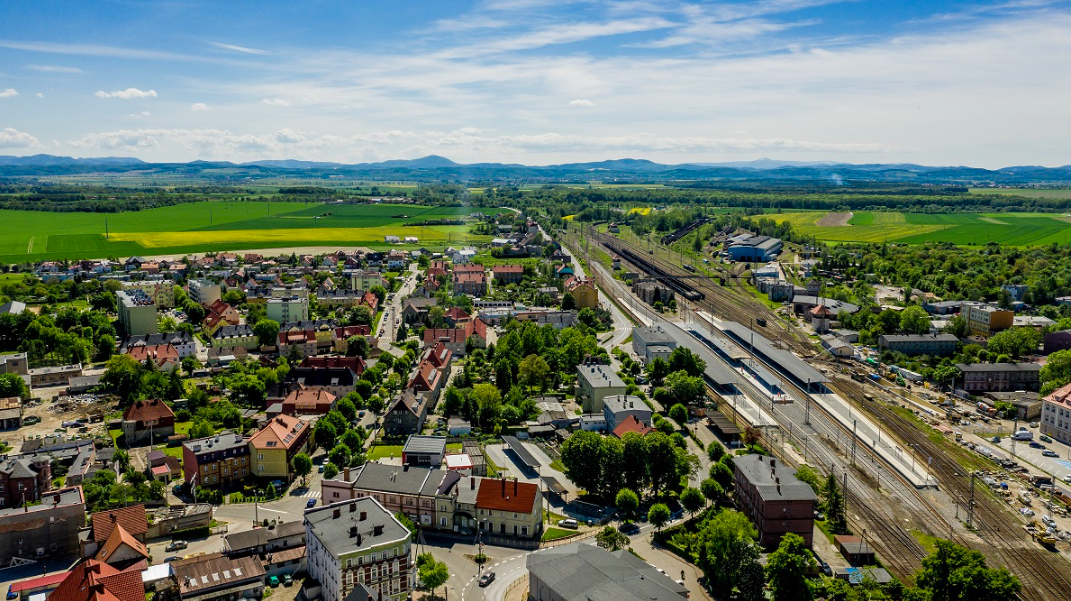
x=283, y=431
x=132, y=518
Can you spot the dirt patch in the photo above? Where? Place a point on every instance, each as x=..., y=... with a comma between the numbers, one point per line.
x=835, y=220
x=993, y=221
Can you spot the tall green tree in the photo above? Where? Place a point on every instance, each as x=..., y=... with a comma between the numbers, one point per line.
x=787, y=569
x=11, y=385
x=834, y=506
x=302, y=465
x=267, y=332
x=634, y=455
x=659, y=515
x=692, y=500
x=577, y=454
x=955, y=573
x=610, y=539
x=627, y=503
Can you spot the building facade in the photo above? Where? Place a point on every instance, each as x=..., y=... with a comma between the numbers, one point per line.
x=999, y=377
x=775, y=501
x=220, y=461
x=137, y=312
x=274, y=446
x=940, y=345
x=984, y=320
x=289, y=308
x=594, y=383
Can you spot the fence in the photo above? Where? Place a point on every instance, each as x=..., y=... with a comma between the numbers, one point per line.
x=522, y=581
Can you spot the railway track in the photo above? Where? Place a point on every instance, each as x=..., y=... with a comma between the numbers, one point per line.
x=1045, y=575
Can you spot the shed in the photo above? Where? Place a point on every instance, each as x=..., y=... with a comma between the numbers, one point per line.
x=856, y=550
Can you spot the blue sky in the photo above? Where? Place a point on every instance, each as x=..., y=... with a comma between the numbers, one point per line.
x=539, y=82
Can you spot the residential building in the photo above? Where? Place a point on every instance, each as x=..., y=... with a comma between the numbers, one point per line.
x=631, y=424
x=650, y=343
x=309, y=401
x=407, y=414
x=432, y=371
x=133, y=519
x=289, y=308
x=151, y=420
x=944, y=307
x=508, y=274
x=216, y=577
x=275, y=445
x=354, y=364
x=340, y=339
x=618, y=407
x=1056, y=414
x=359, y=279
x=358, y=542
x=163, y=357
x=595, y=382
x=456, y=339
x=24, y=479
x=162, y=292
x=472, y=284
x=416, y=309
x=204, y=292
x=298, y=343
x=1056, y=341
x=184, y=344
x=586, y=572
x=999, y=377
x=55, y=375
x=10, y=413
x=220, y=314
x=287, y=535
x=984, y=320
x=941, y=345
x=338, y=381
x=48, y=529
x=424, y=450
x=121, y=549
x=414, y=491
x=137, y=312
x=584, y=292
x=774, y=499
x=217, y=461
x=227, y=339
x=509, y=508
x=15, y=363
x=94, y=580
x=749, y=247
x=542, y=317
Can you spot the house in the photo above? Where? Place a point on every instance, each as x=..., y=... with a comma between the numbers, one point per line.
x=416, y=309
x=184, y=344
x=1056, y=341
x=288, y=308
x=584, y=292
x=57, y=375
x=47, y=529
x=653, y=292
x=559, y=320
x=287, y=535
x=164, y=357
x=472, y=284
x=216, y=577
x=424, y=450
x=419, y=493
x=508, y=274
x=24, y=479
x=650, y=343
x=137, y=312
x=593, y=422
x=1027, y=405
x=12, y=308
x=836, y=346
x=359, y=279
x=275, y=445
x=358, y=542
x=594, y=383
x=940, y=345
x=219, y=314
x=509, y=508
x=94, y=580
x=338, y=381
x=774, y=499
x=340, y=339
x=162, y=467
x=10, y=413
x=431, y=373
x=1056, y=414
x=458, y=426
x=309, y=401
x=618, y=407
x=563, y=271
x=454, y=339
x=216, y=461
x=455, y=316
x=586, y=572
x=227, y=339
x=820, y=317
x=151, y=420
x=984, y=320
x=122, y=549
x=354, y=364
x=999, y=377
x=631, y=424
x=407, y=414
x=15, y=363
x=298, y=343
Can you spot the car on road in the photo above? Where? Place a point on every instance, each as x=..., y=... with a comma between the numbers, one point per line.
x=1067, y=478
x=629, y=528
x=311, y=503
x=828, y=571
x=320, y=469
x=1050, y=453
x=172, y=558
x=1044, y=438
x=273, y=581
x=177, y=545
x=487, y=578
x=360, y=414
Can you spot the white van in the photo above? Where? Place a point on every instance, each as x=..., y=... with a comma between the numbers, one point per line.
x=1023, y=435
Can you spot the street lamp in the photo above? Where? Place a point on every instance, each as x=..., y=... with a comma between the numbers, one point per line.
x=256, y=507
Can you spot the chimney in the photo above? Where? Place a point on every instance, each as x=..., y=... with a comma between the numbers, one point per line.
x=336, y=513
x=363, y=517
x=503, y=487
x=353, y=531
x=472, y=483
x=112, y=516
x=353, y=507
x=377, y=530
x=773, y=462
x=515, y=487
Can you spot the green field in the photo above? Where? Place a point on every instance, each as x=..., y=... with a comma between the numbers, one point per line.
x=215, y=226
x=972, y=229
x=1025, y=192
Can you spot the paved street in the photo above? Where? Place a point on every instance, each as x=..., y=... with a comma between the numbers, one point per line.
x=392, y=312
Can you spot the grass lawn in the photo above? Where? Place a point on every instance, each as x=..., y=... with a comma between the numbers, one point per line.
x=557, y=465
x=384, y=451
x=553, y=533
x=115, y=434
x=175, y=452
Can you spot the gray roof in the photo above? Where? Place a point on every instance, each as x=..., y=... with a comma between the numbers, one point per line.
x=220, y=442
x=653, y=335
x=716, y=370
x=600, y=376
x=584, y=572
x=173, y=338
x=262, y=536
x=920, y=337
x=765, y=477
x=401, y=479
x=986, y=367
x=336, y=534
x=12, y=307
x=417, y=443
x=832, y=304
x=785, y=361
x=624, y=402
x=17, y=467
x=238, y=331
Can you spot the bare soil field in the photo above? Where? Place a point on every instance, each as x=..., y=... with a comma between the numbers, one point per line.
x=834, y=220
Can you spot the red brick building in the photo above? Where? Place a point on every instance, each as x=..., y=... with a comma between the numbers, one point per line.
x=771, y=496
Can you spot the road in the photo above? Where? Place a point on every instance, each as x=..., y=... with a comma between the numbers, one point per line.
x=392, y=312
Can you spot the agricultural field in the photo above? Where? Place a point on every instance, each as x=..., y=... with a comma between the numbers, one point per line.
x=214, y=226
x=1025, y=192
x=969, y=229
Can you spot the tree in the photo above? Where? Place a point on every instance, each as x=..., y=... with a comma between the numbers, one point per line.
x=679, y=414
x=11, y=385
x=659, y=515
x=634, y=457
x=692, y=500
x=568, y=302
x=201, y=429
x=712, y=491
x=722, y=474
x=122, y=374
x=248, y=390
x=657, y=370
x=324, y=434
x=627, y=502
x=725, y=542
x=330, y=470
x=577, y=455
x=662, y=462
x=834, y=506
x=610, y=539
x=686, y=389
x=357, y=346
x=488, y=403
x=715, y=451
x=1015, y=342
x=453, y=401
x=433, y=573
x=533, y=372
x=955, y=573
x=267, y=331
x=787, y=569
x=302, y=466
x=914, y=320
x=353, y=439
x=1057, y=371
x=683, y=359
x=340, y=455
x=347, y=408
x=360, y=315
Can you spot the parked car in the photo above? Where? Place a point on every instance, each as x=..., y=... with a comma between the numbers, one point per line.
x=1036, y=445
x=311, y=503
x=995, y=440
x=828, y=571
x=487, y=578
x=569, y=523
x=273, y=581
x=177, y=545
x=629, y=528
x=172, y=558
x=1067, y=478
x=1034, y=424
x=1044, y=438
x=288, y=580
x=320, y=469
x=360, y=414
x=1050, y=453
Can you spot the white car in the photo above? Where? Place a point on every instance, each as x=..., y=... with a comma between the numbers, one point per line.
x=1027, y=512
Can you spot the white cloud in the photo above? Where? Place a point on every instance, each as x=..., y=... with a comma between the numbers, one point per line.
x=276, y=102
x=127, y=94
x=40, y=94
x=55, y=69
x=241, y=49
x=198, y=106
x=8, y=93
x=581, y=102
x=13, y=138
x=141, y=115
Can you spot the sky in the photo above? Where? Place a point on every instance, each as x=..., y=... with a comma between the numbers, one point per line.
x=938, y=82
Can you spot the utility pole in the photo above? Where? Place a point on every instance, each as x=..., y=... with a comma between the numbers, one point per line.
x=855, y=428
x=970, y=505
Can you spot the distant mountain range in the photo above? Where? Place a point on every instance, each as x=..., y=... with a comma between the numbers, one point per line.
x=442, y=169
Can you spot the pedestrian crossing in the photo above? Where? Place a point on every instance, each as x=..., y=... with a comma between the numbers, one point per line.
x=311, y=494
